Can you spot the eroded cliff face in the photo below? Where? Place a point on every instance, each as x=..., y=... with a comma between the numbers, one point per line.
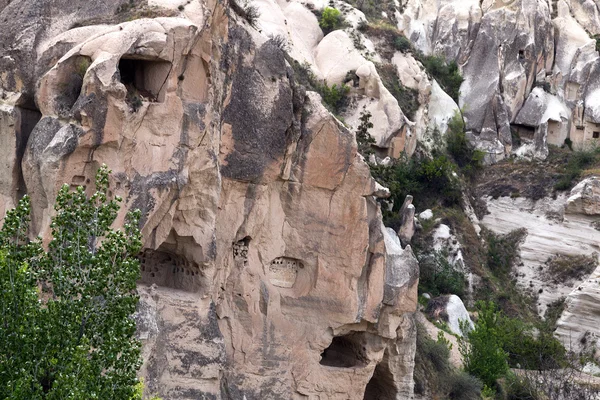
x=266, y=270
x=529, y=66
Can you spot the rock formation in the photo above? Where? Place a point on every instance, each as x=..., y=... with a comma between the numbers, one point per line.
x=266, y=270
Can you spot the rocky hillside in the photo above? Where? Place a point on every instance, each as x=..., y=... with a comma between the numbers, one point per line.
x=246, y=133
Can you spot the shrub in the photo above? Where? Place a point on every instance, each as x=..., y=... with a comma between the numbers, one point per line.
x=463, y=386
x=503, y=250
x=246, y=10
x=335, y=97
x=331, y=19
x=459, y=147
x=408, y=99
x=578, y=161
x=401, y=43
x=446, y=74
x=564, y=268
x=67, y=327
x=429, y=180
x=280, y=41
x=483, y=355
x=498, y=342
x=363, y=138
x=433, y=371
x=437, y=276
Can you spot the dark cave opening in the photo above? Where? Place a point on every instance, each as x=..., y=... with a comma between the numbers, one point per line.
x=345, y=351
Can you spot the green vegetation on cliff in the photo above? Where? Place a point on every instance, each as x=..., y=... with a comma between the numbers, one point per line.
x=67, y=330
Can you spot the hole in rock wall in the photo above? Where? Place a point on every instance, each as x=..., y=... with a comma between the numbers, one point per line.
x=346, y=351
x=144, y=80
x=70, y=82
x=283, y=271
x=381, y=386
x=169, y=270
x=28, y=120
x=240, y=250
x=524, y=132
x=596, y=135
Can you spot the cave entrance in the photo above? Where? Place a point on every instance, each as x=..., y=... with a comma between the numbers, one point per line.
x=346, y=351
x=169, y=270
x=145, y=80
x=381, y=386
x=523, y=131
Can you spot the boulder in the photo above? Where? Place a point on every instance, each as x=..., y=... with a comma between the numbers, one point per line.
x=451, y=310
x=585, y=197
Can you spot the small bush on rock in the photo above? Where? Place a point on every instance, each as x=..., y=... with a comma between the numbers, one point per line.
x=503, y=250
x=246, y=10
x=459, y=147
x=363, y=138
x=437, y=276
x=446, y=74
x=331, y=19
x=335, y=97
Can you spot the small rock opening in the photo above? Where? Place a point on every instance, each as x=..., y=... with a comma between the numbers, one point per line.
x=70, y=84
x=240, y=250
x=169, y=270
x=28, y=119
x=346, y=351
x=523, y=131
x=145, y=80
x=283, y=271
x=381, y=386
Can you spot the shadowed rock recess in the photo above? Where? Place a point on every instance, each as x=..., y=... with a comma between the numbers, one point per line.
x=266, y=271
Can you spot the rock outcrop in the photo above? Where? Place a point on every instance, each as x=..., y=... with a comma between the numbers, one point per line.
x=530, y=68
x=266, y=271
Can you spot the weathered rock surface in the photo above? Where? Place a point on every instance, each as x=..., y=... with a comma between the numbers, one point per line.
x=585, y=197
x=266, y=270
x=450, y=310
x=555, y=227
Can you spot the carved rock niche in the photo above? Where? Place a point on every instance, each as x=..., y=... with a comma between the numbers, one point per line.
x=169, y=270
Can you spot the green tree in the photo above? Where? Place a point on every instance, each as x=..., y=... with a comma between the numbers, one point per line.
x=67, y=330
x=331, y=19
x=363, y=138
x=483, y=354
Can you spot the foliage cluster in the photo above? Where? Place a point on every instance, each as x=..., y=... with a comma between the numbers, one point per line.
x=578, y=161
x=445, y=73
x=438, y=276
x=408, y=99
x=462, y=151
x=373, y=9
x=331, y=19
x=363, y=139
x=246, y=10
x=67, y=330
x=498, y=342
x=564, y=268
x=430, y=180
x=433, y=371
x=503, y=250
x=335, y=97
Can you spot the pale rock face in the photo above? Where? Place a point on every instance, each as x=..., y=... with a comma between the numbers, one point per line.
x=550, y=231
x=410, y=73
x=457, y=315
x=585, y=197
x=441, y=108
x=266, y=270
x=426, y=215
x=336, y=55
x=451, y=310
x=587, y=14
